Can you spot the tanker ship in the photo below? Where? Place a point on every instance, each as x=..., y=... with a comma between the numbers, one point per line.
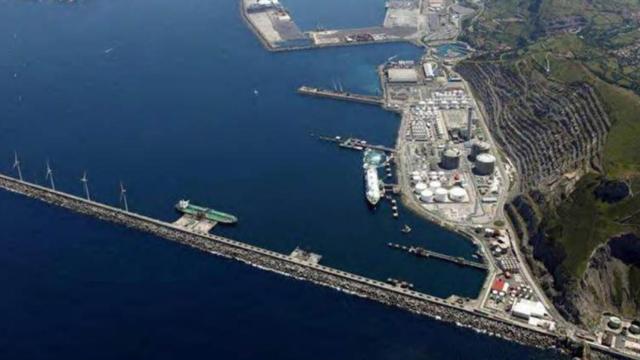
x=372, y=185
x=185, y=207
x=371, y=161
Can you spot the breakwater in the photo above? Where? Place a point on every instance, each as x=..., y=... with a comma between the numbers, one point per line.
x=283, y=264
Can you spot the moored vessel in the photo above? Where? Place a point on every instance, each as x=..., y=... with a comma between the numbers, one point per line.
x=185, y=207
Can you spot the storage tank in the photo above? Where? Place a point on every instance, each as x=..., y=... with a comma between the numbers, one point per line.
x=441, y=195
x=634, y=329
x=479, y=147
x=433, y=185
x=416, y=178
x=450, y=159
x=485, y=164
x=426, y=196
x=614, y=323
x=457, y=194
x=420, y=187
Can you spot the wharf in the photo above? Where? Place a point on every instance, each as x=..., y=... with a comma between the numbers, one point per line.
x=422, y=252
x=189, y=222
x=341, y=95
x=355, y=144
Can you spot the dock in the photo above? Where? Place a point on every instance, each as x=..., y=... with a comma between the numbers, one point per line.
x=422, y=252
x=341, y=95
x=355, y=144
x=194, y=224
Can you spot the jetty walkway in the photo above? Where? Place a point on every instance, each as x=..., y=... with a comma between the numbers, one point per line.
x=407, y=299
x=422, y=252
x=341, y=95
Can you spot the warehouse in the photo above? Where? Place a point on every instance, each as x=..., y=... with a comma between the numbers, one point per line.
x=526, y=309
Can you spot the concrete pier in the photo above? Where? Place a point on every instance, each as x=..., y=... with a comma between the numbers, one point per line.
x=355, y=144
x=407, y=299
x=422, y=252
x=341, y=95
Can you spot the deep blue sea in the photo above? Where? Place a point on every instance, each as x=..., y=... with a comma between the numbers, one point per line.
x=178, y=99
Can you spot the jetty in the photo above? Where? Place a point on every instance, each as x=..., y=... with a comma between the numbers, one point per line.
x=341, y=95
x=422, y=252
x=355, y=144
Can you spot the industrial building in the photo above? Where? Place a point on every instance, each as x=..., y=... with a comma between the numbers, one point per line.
x=526, y=309
x=429, y=72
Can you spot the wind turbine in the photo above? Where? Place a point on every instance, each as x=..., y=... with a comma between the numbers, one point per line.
x=16, y=164
x=49, y=176
x=85, y=182
x=123, y=197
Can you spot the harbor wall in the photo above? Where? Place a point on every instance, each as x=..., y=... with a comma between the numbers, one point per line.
x=410, y=300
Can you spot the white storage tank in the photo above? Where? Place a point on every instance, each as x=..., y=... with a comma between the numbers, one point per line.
x=441, y=195
x=614, y=323
x=416, y=178
x=433, y=185
x=420, y=187
x=426, y=196
x=457, y=194
x=485, y=164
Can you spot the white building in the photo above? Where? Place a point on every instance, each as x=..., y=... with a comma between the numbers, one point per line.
x=526, y=309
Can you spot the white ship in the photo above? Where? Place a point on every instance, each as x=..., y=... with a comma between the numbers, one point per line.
x=372, y=185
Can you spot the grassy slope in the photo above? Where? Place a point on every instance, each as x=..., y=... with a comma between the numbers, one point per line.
x=583, y=222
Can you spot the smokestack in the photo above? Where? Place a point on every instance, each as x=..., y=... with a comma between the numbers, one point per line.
x=470, y=123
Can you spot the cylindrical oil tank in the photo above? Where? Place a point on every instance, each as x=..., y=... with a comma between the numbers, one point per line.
x=457, y=194
x=433, y=185
x=426, y=196
x=634, y=329
x=614, y=323
x=420, y=187
x=479, y=147
x=441, y=195
x=485, y=164
x=416, y=178
x=450, y=159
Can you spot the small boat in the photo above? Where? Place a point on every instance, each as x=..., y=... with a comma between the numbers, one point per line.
x=256, y=92
x=406, y=229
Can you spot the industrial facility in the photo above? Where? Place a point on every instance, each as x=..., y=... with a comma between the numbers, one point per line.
x=450, y=164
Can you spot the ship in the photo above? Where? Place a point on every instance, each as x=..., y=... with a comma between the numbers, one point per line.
x=371, y=161
x=185, y=207
x=372, y=185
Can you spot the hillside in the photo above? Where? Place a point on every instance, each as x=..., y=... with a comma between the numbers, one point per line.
x=577, y=150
